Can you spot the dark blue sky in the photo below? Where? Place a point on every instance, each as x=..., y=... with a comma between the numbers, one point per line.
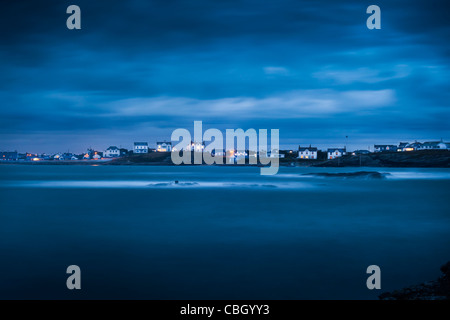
x=139, y=69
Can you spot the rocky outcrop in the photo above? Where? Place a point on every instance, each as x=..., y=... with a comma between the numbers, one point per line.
x=351, y=175
x=416, y=159
x=432, y=290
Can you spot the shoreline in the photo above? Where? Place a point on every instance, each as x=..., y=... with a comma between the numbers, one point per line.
x=415, y=159
x=163, y=164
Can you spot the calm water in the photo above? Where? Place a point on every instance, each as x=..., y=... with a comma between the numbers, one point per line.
x=220, y=233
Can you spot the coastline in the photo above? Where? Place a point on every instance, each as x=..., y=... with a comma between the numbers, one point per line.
x=414, y=159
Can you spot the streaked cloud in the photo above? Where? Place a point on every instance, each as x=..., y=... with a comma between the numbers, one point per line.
x=276, y=71
x=364, y=75
x=299, y=104
x=141, y=68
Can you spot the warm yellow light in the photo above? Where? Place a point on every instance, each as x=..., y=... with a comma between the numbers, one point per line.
x=35, y=159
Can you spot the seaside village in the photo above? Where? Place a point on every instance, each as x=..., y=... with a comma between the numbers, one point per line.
x=303, y=152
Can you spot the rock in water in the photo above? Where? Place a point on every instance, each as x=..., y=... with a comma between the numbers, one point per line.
x=353, y=175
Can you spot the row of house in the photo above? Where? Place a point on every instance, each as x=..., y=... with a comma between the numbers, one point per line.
x=142, y=147
x=90, y=154
x=164, y=146
x=414, y=146
x=306, y=153
x=310, y=153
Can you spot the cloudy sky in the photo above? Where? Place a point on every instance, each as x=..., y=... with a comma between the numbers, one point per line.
x=139, y=69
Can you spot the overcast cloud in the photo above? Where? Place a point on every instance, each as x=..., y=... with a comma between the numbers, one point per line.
x=139, y=69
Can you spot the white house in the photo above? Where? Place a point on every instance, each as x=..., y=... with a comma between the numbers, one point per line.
x=413, y=146
x=336, y=153
x=428, y=145
x=112, y=152
x=164, y=146
x=432, y=145
x=140, y=147
x=58, y=156
x=307, y=152
x=402, y=146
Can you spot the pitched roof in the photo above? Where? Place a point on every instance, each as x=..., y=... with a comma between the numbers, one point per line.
x=337, y=149
x=432, y=143
x=307, y=148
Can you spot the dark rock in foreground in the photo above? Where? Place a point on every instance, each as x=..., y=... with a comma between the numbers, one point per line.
x=352, y=175
x=432, y=290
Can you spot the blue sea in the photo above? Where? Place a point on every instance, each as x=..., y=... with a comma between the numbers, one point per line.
x=219, y=233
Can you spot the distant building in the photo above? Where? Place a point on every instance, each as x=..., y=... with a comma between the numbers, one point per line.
x=307, y=152
x=63, y=156
x=92, y=154
x=57, y=156
x=164, y=146
x=140, y=147
x=433, y=145
x=8, y=156
x=359, y=152
x=333, y=153
x=218, y=153
x=123, y=152
x=32, y=157
x=239, y=154
x=288, y=153
x=385, y=148
x=195, y=146
x=414, y=146
x=275, y=154
x=402, y=146
x=428, y=145
x=69, y=156
x=112, y=152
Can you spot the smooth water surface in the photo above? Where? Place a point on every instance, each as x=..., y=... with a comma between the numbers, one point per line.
x=219, y=233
